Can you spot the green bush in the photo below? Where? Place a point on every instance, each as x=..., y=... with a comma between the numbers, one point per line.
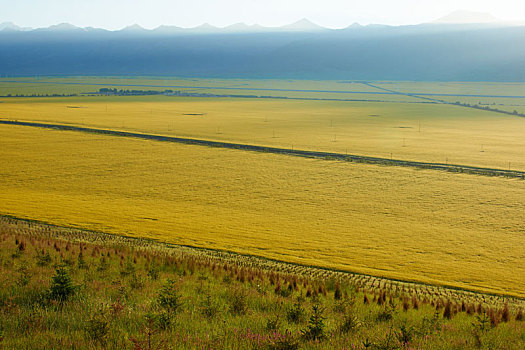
x=315, y=329
x=169, y=298
x=62, y=287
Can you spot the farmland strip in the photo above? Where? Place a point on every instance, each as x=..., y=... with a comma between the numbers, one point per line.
x=285, y=151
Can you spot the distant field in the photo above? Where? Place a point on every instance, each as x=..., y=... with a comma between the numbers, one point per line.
x=481, y=93
x=459, y=230
x=421, y=132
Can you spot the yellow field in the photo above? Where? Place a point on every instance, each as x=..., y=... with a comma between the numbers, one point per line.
x=428, y=226
x=420, y=132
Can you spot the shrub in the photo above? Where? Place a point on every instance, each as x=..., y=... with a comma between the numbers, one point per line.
x=238, y=305
x=81, y=263
x=338, y=294
x=447, y=312
x=296, y=313
x=389, y=342
x=519, y=315
x=481, y=326
x=482, y=322
x=209, y=309
x=415, y=303
x=283, y=341
x=350, y=323
x=24, y=277
x=62, y=287
x=103, y=264
x=153, y=271
x=505, y=314
x=148, y=331
x=387, y=312
x=43, y=259
x=128, y=269
x=405, y=334
x=136, y=282
x=97, y=327
x=273, y=324
x=315, y=328
x=169, y=298
x=164, y=320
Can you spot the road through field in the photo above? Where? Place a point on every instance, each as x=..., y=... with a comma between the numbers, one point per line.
x=286, y=151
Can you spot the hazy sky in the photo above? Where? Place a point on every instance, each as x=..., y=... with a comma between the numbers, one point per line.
x=116, y=14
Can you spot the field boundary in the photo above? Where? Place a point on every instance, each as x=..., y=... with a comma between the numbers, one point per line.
x=364, y=282
x=455, y=168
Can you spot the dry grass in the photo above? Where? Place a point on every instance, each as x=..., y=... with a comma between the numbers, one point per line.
x=428, y=226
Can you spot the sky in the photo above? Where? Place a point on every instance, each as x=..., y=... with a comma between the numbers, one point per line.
x=116, y=14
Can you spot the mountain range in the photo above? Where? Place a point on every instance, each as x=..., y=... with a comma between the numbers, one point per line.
x=482, y=49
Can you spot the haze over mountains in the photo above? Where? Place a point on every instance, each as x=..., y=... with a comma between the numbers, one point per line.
x=462, y=46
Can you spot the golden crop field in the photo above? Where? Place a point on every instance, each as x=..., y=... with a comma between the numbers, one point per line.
x=419, y=132
x=422, y=225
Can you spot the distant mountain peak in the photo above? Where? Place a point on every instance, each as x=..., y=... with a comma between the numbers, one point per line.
x=164, y=27
x=63, y=27
x=465, y=17
x=237, y=27
x=303, y=24
x=205, y=26
x=244, y=28
x=9, y=26
x=133, y=28
x=354, y=25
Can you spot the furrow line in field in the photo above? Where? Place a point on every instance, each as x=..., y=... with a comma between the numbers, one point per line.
x=285, y=151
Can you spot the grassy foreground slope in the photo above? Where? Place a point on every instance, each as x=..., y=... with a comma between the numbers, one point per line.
x=434, y=227
x=72, y=289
